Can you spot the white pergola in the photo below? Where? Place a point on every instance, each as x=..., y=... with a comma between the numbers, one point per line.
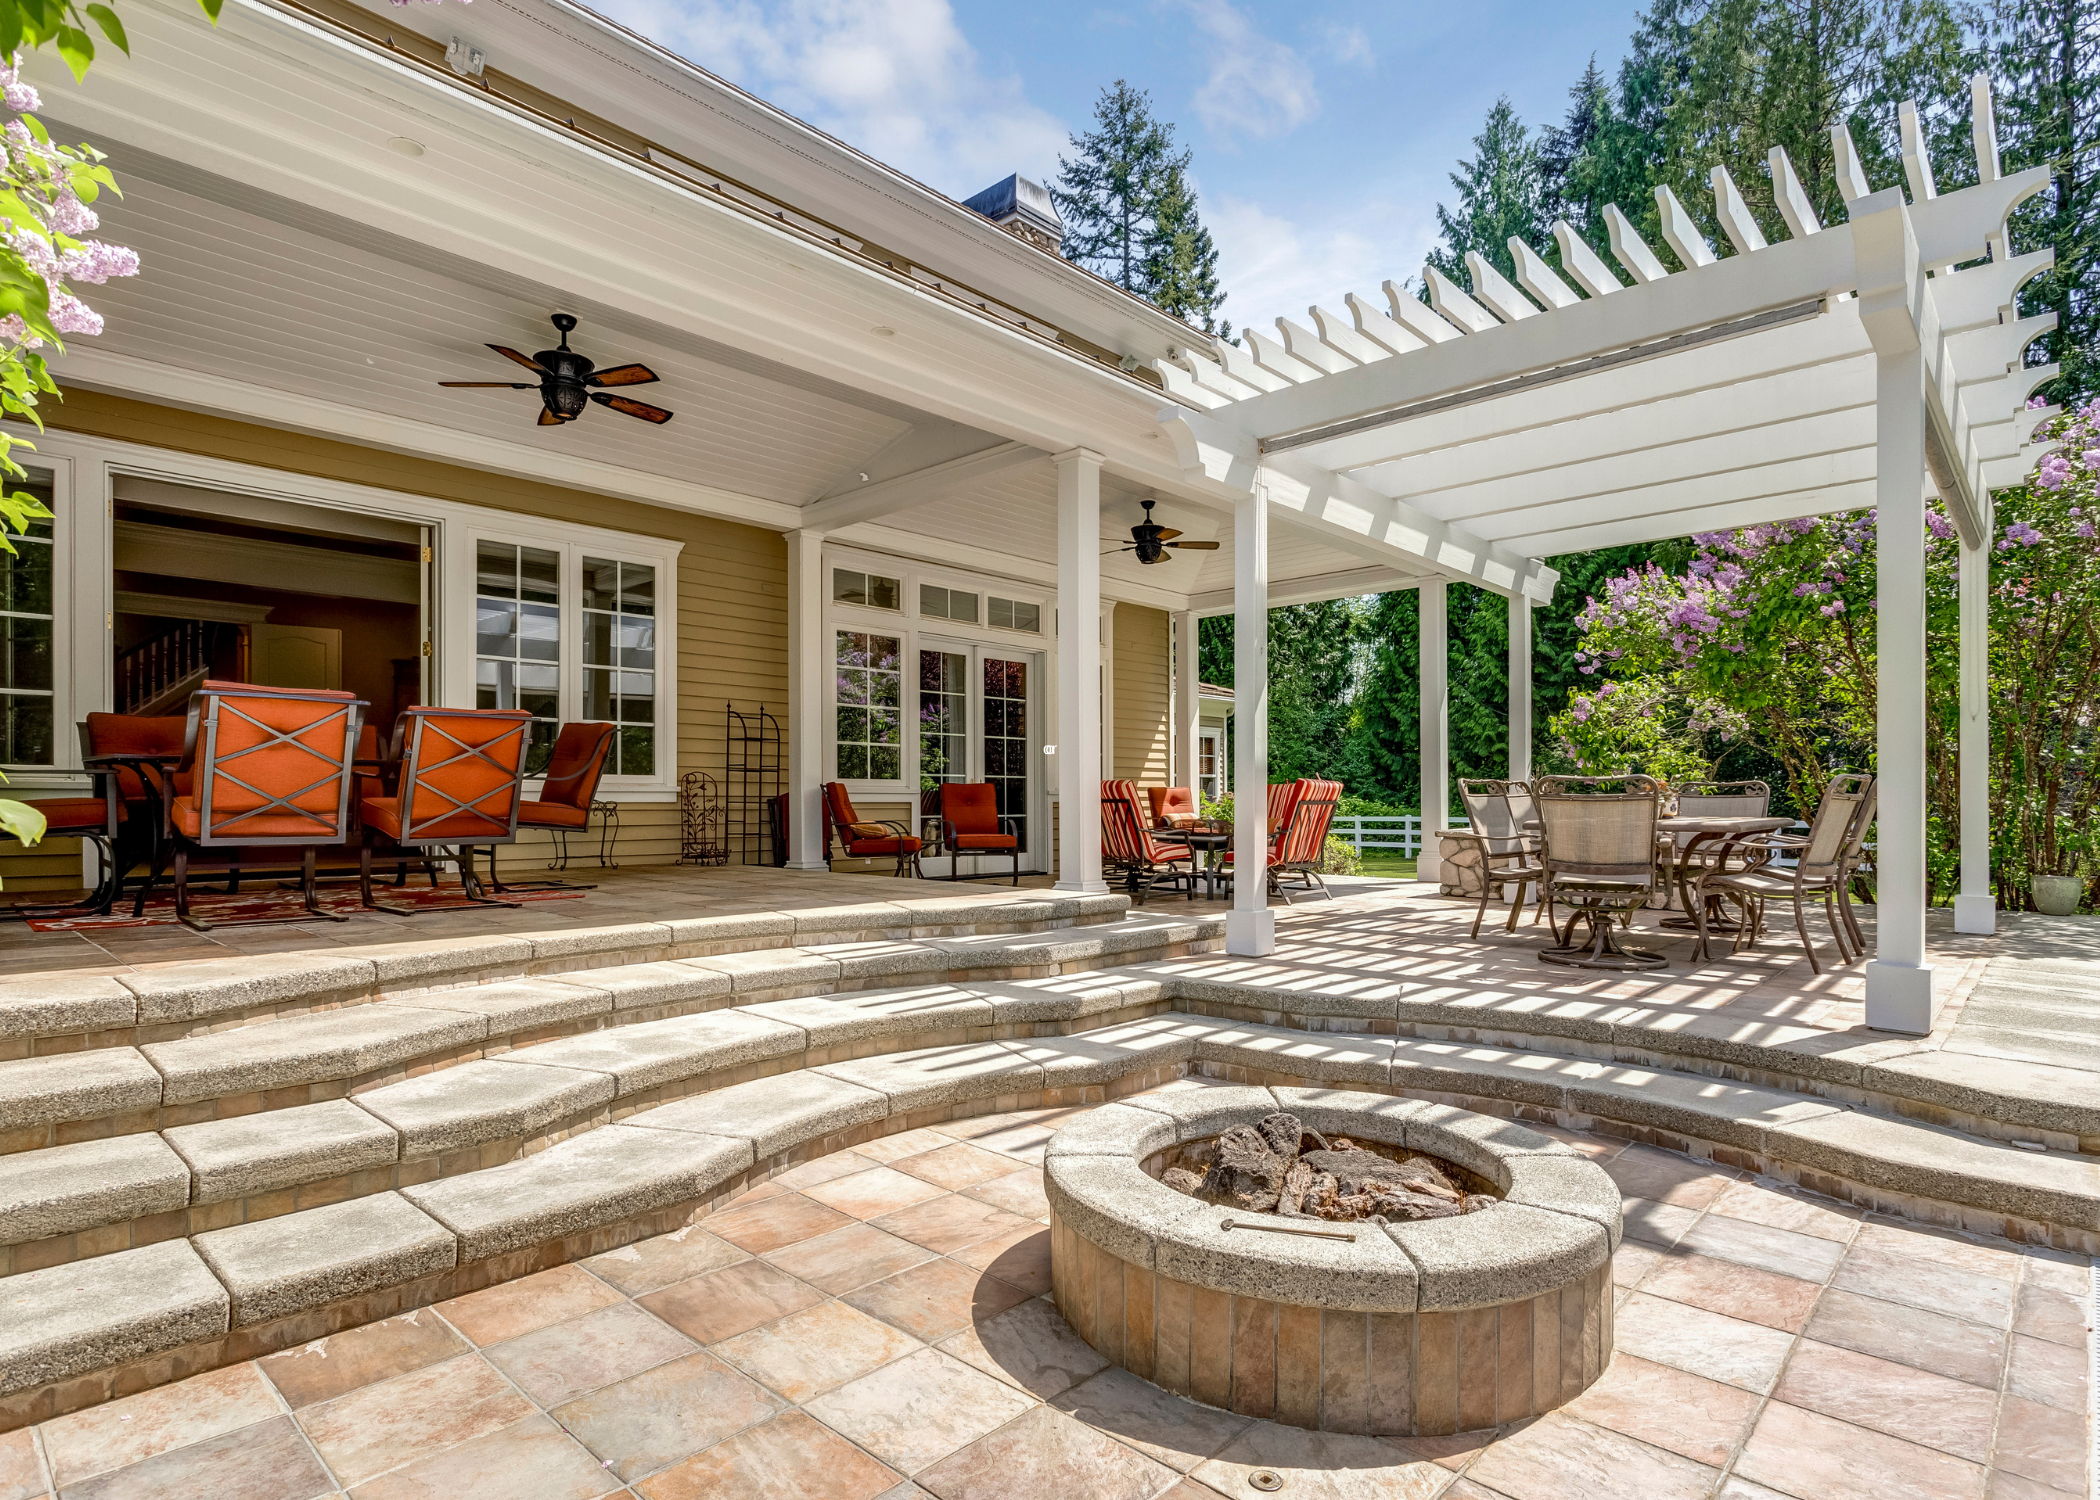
x=1847, y=366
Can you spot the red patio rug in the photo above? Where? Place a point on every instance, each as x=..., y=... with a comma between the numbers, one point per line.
x=269, y=903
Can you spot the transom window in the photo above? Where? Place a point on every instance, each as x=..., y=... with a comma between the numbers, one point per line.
x=870, y=589
x=619, y=659
x=870, y=706
x=947, y=604
x=1012, y=614
x=517, y=638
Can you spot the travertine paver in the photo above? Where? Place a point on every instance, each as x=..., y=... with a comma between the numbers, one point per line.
x=840, y=1333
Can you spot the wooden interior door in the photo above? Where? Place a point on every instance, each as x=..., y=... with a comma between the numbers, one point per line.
x=296, y=656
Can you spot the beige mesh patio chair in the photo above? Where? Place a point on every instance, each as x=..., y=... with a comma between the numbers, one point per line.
x=1598, y=851
x=1509, y=853
x=1824, y=862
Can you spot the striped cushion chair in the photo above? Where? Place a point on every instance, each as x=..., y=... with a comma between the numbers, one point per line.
x=1302, y=840
x=1129, y=849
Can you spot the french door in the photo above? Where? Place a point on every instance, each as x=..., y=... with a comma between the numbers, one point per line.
x=977, y=722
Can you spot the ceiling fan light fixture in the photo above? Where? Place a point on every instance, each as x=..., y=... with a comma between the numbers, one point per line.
x=569, y=382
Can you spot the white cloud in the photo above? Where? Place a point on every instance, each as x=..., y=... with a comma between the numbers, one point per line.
x=896, y=78
x=1272, y=267
x=1257, y=86
x=1347, y=44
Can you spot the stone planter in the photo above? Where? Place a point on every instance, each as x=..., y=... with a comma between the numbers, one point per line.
x=1426, y=1328
x=2057, y=895
x=1462, y=868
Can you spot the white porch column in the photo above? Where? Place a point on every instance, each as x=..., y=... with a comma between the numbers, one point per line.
x=1519, y=688
x=1188, y=709
x=1899, y=980
x=1250, y=928
x=1434, y=674
x=1976, y=908
x=808, y=660
x=1079, y=671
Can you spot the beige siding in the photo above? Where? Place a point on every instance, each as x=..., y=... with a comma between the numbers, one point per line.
x=732, y=591
x=1141, y=703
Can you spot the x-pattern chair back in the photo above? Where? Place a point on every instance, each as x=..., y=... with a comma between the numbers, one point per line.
x=272, y=768
x=460, y=775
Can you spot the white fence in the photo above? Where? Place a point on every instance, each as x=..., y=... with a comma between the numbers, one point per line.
x=1396, y=835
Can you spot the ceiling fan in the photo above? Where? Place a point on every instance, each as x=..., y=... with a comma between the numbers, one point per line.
x=565, y=382
x=1150, y=540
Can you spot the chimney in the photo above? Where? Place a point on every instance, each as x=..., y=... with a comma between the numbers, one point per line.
x=1024, y=210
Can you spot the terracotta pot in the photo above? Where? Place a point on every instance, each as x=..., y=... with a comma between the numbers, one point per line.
x=2057, y=895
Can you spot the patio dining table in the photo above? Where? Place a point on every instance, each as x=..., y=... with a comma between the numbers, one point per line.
x=1701, y=833
x=1208, y=843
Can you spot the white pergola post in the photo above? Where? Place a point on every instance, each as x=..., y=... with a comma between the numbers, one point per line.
x=1976, y=907
x=1899, y=980
x=1434, y=675
x=1188, y=709
x=1250, y=927
x=1519, y=688
x=1079, y=671
x=808, y=661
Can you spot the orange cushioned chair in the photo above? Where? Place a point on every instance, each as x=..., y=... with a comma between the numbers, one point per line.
x=574, y=768
x=1301, y=845
x=970, y=824
x=140, y=792
x=458, y=777
x=1129, y=849
x=99, y=820
x=864, y=840
x=263, y=767
x=1173, y=807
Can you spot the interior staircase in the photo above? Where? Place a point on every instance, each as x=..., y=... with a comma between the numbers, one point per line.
x=203, y=1162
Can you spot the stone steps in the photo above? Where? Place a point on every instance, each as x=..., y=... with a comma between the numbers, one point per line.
x=42, y=1014
x=145, y=1314
x=281, y=1061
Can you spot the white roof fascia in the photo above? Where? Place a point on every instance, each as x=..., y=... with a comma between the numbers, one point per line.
x=575, y=54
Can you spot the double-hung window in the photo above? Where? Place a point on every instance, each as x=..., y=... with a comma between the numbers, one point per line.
x=517, y=638
x=619, y=658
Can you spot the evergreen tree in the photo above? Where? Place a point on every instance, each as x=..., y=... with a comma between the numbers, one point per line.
x=1109, y=195
x=2042, y=55
x=1179, y=274
x=1312, y=681
x=1498, y=196
x=1382, y=760
x=1564, y=147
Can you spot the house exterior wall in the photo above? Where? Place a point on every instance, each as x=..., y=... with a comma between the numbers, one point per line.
x=731, y=594
x=1143, y=671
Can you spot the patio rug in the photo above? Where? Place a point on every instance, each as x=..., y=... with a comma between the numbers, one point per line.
x=272, y=904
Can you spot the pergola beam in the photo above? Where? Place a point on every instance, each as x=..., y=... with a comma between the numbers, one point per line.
x=1313, y=590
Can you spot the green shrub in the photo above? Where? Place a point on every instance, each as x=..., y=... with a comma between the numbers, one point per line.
x=1340, y=858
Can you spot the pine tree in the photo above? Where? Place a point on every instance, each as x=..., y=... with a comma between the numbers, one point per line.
x=1179, y=274
x=1498, y=196
x=1109, y=195
x=1563, y=148
x=2042, y=53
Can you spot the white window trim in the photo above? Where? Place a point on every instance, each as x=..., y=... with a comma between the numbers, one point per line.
x=915, y=632
x=84, y=472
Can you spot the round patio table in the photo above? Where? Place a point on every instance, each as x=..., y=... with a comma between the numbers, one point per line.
x=1210, y=843
x=1727, y=833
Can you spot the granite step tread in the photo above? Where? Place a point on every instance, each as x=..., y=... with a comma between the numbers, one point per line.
x=280, y=1148
x=316, y=1048
x=62, y=1189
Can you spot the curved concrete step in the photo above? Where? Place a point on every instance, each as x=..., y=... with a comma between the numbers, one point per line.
x=149, y=1313
x=285, y=1061
x=41, y=1014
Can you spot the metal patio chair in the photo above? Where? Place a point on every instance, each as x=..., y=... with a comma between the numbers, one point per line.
x=864, y=840
x=1496, y=812
x=1301, y=844
x=458, y=778
x=1824, y=863
x=575, y=766
x=971, y=824
x=1128, y=848
x=1597, y=846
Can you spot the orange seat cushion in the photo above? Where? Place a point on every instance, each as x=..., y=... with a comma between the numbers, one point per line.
x=384, y=815
x=76, y=814
x=865, y=848
x=128, y=734
x=986, y=841
x=552, y=815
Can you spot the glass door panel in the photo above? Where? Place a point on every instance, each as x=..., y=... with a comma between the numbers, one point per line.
x=944, y=718
x=1006, y=737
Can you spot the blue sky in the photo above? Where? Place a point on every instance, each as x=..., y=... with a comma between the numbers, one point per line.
x=1322, y=132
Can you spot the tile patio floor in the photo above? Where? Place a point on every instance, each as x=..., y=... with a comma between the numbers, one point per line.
x=875, y=1324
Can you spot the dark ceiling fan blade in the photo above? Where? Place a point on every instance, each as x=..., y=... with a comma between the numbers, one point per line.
x=632, y=408
x=623, y=375
x=548, y=418
x=1193, y=546
x=487, y=385
x=524, y=359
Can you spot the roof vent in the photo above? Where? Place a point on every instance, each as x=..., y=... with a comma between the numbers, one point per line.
x=1024, y=210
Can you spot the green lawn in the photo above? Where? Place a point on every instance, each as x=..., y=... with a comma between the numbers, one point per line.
x=1390, y=865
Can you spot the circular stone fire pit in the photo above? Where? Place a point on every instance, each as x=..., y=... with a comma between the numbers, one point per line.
x=1420, y=1328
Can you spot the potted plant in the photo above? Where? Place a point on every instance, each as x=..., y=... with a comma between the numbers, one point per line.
x=2058, y=894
